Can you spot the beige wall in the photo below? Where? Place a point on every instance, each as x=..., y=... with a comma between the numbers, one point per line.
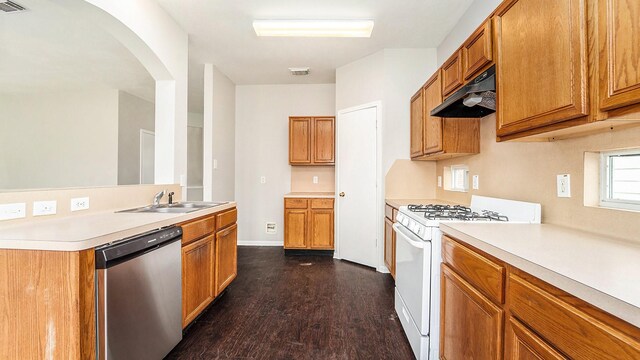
x=262, y=149
x=100, y=199
x=411, y=180
x=61, y=139
x=302, y=179
x=527, y=172
x=134, y=114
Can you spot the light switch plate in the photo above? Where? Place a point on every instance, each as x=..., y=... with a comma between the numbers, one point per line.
x=263, y=179
x=78, y=204
x=13, y=211
x=315, y=179
x=41, y=208
x=564, y=186
x=215, y=163
x=476, y=182
x=439, y=181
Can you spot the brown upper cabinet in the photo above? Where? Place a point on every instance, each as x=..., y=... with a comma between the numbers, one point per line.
x=541, y=63
x=619, y=31
x=416, y=124
x=435, y=138
x=452, y=78
x=312, y=140
x=477, y=51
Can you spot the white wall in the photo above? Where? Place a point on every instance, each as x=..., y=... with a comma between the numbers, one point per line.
x=224, y=121
x=194, y=156
x=262, y=143
x=472, y=18
x=50, y=140
x=134, y=114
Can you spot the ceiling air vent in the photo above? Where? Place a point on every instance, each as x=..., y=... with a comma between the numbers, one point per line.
x=10, y=7
x=299, y=71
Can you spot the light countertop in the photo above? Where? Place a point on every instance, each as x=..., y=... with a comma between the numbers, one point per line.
x=396, y=203
x=600, y=270
x=81, y=232
x=311, y=195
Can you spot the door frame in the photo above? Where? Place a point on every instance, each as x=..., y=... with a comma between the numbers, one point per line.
x=142, y=133
x=379, y=183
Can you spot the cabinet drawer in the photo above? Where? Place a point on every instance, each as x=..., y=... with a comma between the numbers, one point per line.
x=197, y=229
x=482, y=273
x=322, y=203
x=295, y=203
x=226, y=218
x=568, y=328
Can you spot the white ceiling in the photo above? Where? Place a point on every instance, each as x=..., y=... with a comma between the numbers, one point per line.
x=47, y=48
x=221, y=32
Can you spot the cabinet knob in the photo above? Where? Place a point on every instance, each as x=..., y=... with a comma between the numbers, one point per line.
x=342, y=194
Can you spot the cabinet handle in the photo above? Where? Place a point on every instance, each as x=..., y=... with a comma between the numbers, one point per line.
x=342, y=194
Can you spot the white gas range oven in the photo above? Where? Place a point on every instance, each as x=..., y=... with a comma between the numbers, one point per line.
x=418, y=258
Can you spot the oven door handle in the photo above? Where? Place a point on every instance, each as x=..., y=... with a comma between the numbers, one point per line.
x=409, y=237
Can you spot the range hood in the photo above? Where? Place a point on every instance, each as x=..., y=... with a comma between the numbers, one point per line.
x=475, y=100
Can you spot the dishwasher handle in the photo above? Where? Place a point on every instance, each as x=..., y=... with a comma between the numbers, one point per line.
x=116, y=253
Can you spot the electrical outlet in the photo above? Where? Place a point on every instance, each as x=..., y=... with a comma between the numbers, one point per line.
x=263, y=179
x=271, y=228
x=13, y=211
x=564, y=186
x=476, y=182
x=315, y=179
x=78, y=204
x=41, y=208
x=439, y=181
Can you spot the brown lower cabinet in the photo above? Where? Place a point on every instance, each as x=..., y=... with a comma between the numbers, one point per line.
x=209, y=260
x=534, y=321
x=390, y=239
x=308, y=224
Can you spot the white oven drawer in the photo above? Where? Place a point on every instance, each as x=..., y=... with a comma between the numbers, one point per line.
x=413, y=275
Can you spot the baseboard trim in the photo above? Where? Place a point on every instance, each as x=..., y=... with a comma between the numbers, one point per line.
x=260, y=243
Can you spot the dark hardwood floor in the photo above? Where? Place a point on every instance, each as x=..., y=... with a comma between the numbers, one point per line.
x=298, y=307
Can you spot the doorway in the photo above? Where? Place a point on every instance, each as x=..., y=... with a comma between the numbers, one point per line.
x=147, y=156
x=357, y=185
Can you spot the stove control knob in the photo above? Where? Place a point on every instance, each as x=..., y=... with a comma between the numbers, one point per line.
x=342, y=194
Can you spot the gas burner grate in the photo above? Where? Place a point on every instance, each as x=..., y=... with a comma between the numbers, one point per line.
x=456, y=212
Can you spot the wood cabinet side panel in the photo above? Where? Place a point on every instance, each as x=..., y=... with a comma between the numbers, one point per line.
x=416, y=123
x=47, y=305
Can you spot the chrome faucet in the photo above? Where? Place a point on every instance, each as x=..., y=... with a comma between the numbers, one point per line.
x=157, y=197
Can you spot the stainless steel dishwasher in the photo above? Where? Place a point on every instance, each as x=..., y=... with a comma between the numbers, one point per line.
x=139, y=299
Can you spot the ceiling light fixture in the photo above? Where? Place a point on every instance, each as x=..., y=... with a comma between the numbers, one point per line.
x=314, y=28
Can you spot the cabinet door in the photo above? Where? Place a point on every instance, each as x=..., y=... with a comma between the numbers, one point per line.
x=471, y=325
x=197, y=278
x=416, y=124
x=389, y=247
x=299, y=141
x=523, y=344
x=452, y=73
x=432, y=124
x=477, y=51
x=321, y=229
x=295, y=229
x=541, y=63
x=226, y=257
x=619, y=37
x=323, y=143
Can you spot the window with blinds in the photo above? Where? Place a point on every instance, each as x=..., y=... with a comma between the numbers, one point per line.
x=620, y=179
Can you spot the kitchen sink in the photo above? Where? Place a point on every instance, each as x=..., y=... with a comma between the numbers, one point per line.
x=175, y=208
